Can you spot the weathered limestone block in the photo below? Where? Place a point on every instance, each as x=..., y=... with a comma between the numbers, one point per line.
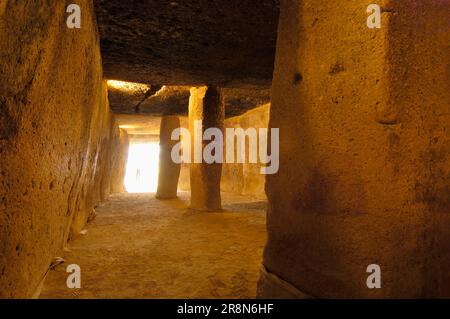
x=205, y=105
x=119, y=157
x=365, y=167
x=169, y=171
x=95, y=171
x=246, y=178
x=54, y=135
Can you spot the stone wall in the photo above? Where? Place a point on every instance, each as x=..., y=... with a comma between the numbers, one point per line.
x=364, y=156
x=246, y=179
x=55, y=129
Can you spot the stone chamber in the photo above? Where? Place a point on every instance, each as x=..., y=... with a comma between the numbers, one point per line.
x=364, y=149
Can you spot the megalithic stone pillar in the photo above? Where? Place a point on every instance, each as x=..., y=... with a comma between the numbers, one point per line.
x=363, y=187
x=169, y=171
x=205, y=105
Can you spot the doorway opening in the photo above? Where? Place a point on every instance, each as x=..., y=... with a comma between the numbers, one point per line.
x=142, y=168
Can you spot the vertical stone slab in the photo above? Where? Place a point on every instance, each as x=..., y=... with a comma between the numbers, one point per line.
x=119, y=157
x=364, y=150
x=55, y=127
x=169, y=171
x=205, y=105
x=419, y=58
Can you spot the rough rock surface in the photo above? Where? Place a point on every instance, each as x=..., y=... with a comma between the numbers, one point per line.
x=238, y=101
x=364, y=152
x=188, y=42
x=170, y=100
x=206, y=105
x=246, y=179
x=139, y=124
x=55, y=128
x=169, y=171
x=174, y=100
x=239, y=179
x=119, y=157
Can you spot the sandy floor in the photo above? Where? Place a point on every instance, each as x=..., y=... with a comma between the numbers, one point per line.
x=139, y=247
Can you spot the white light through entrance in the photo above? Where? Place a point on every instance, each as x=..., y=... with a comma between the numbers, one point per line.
x=142, y=168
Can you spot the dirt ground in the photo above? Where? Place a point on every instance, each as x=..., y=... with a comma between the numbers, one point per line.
x=140, y=247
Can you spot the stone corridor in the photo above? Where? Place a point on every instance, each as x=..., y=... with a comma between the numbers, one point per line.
x=327, y=121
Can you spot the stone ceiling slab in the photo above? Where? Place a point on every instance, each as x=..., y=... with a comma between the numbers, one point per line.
x=219, y=42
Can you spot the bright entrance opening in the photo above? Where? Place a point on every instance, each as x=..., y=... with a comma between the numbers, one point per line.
x=142, y=168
